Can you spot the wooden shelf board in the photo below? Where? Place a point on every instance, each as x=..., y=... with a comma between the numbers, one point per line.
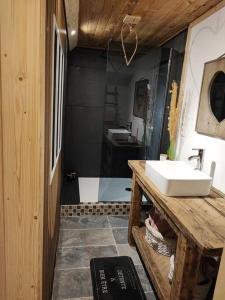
x=156, y=264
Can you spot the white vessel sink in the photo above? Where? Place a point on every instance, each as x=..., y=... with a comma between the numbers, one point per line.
x=177, y=178
x=119, y=134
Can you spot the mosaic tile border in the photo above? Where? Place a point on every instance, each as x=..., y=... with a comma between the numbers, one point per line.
x=82, y=209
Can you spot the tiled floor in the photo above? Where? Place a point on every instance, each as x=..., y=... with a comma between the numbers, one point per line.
x=82, y=238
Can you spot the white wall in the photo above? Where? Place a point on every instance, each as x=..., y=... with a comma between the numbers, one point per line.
x=207, y=42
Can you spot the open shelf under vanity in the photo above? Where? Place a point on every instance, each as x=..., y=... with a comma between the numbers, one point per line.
x=156, y=264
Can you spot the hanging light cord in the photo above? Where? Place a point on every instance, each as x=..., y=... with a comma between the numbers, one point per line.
x=122, y=41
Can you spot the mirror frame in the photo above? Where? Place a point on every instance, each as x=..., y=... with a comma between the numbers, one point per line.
x=207, y=123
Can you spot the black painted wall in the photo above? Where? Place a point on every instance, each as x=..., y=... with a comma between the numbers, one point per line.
x=178, y=43
x=84, y=112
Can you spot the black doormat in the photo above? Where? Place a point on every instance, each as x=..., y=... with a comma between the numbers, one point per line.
x=115, y=278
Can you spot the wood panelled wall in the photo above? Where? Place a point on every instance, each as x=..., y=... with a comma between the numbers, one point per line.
x=29, y=203
x=22, y=142
x=53, y=188
x=2, y=227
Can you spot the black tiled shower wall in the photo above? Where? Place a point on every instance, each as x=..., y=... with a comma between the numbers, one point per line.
x=84, y=112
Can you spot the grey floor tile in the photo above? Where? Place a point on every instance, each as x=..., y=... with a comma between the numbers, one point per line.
x=127, y=250
x=118, y=221
x=120, y=235
x=82, y=238
x=78, y=257
x=144, y=279
x=72, y=284
x=84, y=222
x=85, y=237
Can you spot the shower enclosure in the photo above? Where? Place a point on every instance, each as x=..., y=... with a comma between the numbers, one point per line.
x=114, y=113
x=128, y=108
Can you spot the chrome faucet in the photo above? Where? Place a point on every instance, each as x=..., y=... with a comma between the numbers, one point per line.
x=199, y=158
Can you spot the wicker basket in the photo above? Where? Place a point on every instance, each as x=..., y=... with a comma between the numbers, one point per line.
x=162, y=245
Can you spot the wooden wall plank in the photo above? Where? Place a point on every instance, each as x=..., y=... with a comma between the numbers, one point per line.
x=2, y=223
x=23, y=87
x=30, y=208
x=53, y=188
x=50, y=7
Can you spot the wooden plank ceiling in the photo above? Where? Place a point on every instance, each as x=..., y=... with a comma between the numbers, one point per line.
x=101, y=20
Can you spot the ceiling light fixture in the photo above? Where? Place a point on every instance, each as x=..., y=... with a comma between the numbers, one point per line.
x=130, y=22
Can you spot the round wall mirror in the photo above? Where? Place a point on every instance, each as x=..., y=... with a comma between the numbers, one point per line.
x=217, y=96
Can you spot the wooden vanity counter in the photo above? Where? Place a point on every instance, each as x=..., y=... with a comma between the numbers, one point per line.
x=199, y=223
